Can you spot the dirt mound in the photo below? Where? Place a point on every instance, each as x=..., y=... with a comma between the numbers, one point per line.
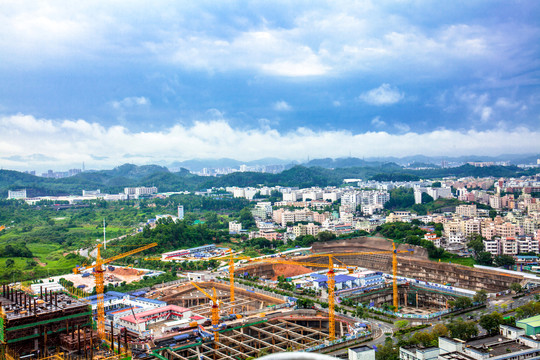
x=364, y=243
x=289, y=270
x=124, y=272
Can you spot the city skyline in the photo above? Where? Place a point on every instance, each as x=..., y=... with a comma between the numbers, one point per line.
x=164, y=82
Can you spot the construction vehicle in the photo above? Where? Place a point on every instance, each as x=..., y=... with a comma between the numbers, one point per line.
x=99, y=270
x=215, y=310
x=331, y=276
x=231, y=259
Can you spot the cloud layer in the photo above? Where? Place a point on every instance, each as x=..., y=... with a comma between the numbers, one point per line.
x=31, y=143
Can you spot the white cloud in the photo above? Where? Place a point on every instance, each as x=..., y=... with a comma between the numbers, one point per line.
x=402, y=127
x=129, y=102
x=69, y=142
x=383, y=95
x=282, y=106
x=324, y=39
x=377, y=122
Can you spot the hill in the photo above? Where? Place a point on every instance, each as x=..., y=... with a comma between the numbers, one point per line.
x=127, y=175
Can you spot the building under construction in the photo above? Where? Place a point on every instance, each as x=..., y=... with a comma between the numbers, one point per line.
x=33, y=324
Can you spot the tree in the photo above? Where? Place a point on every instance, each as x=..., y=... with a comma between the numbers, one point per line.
x=504, y=260
x=387, y=351
x=325, y=236
x=426, y=198
x=463, y=330
x=9, y=263
x=246, y=218
x=480, y=296
x=492, y=214
x=439, y=330
x=436, y=184
x=422, y=337
x=461, y=302
x=516, y=287
x=401, y=324
x=491, y=322
x=484, y=258
x=476, y=243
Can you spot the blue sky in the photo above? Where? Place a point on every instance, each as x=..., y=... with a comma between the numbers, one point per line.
x=156, y=82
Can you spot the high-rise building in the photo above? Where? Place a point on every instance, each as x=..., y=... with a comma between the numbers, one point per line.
x=180, y=212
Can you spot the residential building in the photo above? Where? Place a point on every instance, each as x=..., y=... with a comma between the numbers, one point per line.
x=136, y=192
x=235, y=227
x=466, y=210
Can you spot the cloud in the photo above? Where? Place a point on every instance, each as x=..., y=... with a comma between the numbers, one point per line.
x=377, y=122
x=402, y=127
x=327, y=38
x=282, y=106
x=383, y=95
x=130, y=102
x=65, y=145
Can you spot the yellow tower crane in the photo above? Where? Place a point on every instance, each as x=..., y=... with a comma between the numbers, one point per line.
x=331, y=277
x=231, y=259
x=99, y=270
x=215, y=309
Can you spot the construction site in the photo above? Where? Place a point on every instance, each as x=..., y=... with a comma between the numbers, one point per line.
x=46, y=325
x=254, y=324
x=224, y=317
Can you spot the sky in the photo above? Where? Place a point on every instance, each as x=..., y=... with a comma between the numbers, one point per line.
x=154, y=82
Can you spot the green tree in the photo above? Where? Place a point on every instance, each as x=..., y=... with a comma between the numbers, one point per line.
x=439, y=330
x=387, y=351
x=461, y=302
x=476, y=243
x=516, y=287
x=436, y=184
x=400, y=324
x=480, y=296
x=504, y=260
x=9, y=263
x=463, y=330
x=246, y=218
x=484, y=258
x=326, y=236
x=426, y=198
x=491, y=322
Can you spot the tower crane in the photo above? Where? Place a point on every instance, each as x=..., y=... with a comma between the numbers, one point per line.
x=331, y=276
x=99, y=270
x=215, y=309
x=231, y=259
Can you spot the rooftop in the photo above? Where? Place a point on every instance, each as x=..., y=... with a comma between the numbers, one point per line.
x=167, y=309
x=362, y=348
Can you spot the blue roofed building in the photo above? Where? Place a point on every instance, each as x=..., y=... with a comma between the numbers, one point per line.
x=341, y=281
x=119, y=304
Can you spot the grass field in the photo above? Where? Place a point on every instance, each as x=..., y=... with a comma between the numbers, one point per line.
x=467, y=261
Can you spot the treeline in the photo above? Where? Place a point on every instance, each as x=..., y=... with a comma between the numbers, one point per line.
x=115, y=180
x=15, y=250
x=171, y=235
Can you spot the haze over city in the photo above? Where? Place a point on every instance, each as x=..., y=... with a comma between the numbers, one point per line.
x=139, y=82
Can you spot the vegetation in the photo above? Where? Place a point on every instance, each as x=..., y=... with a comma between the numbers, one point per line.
x=113, y=181
x=464, y=330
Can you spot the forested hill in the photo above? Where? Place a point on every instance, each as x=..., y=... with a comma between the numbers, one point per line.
x=113, y=181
